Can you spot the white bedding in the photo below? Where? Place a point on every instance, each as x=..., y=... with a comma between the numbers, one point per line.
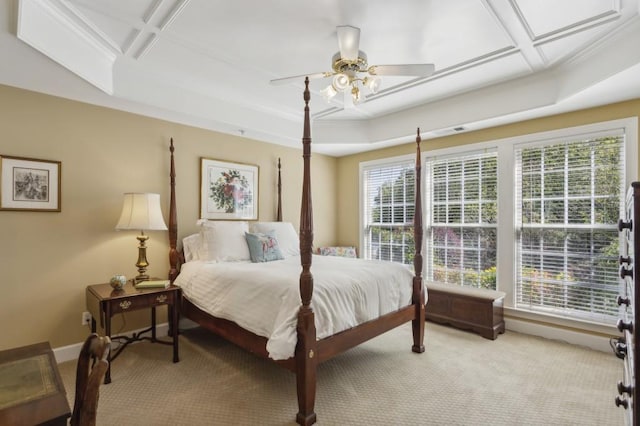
x=264, y=298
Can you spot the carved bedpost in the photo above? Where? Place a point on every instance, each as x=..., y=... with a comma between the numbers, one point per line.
x=279, y=211
x=173, y=222
x=418, y=289
x=306, y=350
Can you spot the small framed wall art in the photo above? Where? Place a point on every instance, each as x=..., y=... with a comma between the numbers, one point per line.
x=228, y=190
x=29, y=184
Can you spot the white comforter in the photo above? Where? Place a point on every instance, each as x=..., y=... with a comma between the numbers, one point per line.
x=264, y=298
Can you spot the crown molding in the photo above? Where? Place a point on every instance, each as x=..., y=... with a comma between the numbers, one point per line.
x=48, y=27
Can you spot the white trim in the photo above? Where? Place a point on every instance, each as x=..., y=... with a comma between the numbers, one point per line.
x=78, y=47
x=549, y=330
x=71, y=352
x=631, y=149
x=628, y=125
x=506, y=234
x=384, y=161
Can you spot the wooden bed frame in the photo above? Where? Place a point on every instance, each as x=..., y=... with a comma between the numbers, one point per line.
x=309, y=351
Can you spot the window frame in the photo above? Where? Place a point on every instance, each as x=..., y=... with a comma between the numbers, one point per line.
x=506, y=187
x=366, y=165
x=520, y=227
x=429, y=159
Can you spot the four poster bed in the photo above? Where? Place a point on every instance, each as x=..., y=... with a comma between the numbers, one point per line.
x=305, y=345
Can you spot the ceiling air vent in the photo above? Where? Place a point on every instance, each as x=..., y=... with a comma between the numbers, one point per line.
x=458, y=129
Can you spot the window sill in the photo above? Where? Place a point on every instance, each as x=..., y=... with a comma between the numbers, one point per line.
x=583, y=333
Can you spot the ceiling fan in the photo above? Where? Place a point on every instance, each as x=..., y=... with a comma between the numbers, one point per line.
x=350, y=69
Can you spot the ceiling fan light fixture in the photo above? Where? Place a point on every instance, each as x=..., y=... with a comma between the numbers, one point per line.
x=373, y=83
x=351, y=71
x=355, y=94
x=329, y=92
x=341, y=81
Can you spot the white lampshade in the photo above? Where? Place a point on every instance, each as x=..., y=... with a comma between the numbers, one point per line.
x=341, y=81
x=141, y=211
x=373, y=83
x=328, y=93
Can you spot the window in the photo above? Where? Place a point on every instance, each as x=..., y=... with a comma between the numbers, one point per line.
x=388, y=206
x=462, y=215
x=534, y=216
x=569, y=197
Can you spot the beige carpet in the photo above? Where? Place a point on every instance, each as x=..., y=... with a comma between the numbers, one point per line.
x=461, y=379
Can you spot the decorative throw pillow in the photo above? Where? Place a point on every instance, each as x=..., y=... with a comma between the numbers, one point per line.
x=223, y=241
x=263, y=247
x=192, y=246
x=338, y=251
x=284, y=232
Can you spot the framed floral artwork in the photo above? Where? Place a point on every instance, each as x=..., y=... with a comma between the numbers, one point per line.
x=228, y=190
x=29, y=184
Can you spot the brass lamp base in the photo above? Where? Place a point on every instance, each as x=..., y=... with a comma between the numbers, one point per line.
x=142, y=259
x=140, y=278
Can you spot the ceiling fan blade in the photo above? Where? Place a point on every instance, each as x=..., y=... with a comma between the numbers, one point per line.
x=299, y=78
x=348, y=42
x=418, y=70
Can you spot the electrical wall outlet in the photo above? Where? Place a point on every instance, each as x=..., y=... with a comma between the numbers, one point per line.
x=86, y=318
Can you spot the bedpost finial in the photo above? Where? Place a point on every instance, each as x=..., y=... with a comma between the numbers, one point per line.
x=307, y=95
x=418, y=139
x=171, y=145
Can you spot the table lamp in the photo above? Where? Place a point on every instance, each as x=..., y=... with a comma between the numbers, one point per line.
x=141, y=211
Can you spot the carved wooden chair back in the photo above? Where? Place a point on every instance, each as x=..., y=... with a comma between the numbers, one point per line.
x=92, y=366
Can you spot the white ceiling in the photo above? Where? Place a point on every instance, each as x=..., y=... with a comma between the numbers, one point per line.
x=208, y=62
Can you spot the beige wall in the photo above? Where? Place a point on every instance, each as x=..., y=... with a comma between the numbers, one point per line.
x=47, y=259
x=348, y=166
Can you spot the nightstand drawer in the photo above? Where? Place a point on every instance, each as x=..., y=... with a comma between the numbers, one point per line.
x=132, y=303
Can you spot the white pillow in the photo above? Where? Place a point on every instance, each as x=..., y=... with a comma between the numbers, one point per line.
x=284, y=232
x=224, y=241
x=192, y=246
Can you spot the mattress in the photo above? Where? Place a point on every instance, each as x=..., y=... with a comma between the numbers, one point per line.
x=264, y=298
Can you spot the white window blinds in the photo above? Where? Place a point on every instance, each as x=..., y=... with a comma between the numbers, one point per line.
x=569, y=197
x=462, y=219
x=388, y=211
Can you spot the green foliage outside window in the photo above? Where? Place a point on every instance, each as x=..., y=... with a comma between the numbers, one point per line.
x=570, y=202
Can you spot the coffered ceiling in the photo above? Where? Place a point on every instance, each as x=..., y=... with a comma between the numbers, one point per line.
x=208, y=63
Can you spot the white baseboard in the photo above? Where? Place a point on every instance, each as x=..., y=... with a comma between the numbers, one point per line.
x=574, y=337
x=71, y=352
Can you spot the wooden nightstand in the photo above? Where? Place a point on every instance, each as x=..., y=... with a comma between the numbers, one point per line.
x=103, y=302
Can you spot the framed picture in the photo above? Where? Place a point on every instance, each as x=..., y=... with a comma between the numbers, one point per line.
x=228, y=190
x=29, y=184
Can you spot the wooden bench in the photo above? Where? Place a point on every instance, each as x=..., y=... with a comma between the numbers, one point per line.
x=476, y=309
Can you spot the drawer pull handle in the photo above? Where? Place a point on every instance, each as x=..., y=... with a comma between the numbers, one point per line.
x=625, y=259
x=623, y=301
x=624, y=225
x=622, y=388
x=620, y=349
x=161, y=298
x=626, y=272
x=625, y=326
x=125, y=304
x=622, y=402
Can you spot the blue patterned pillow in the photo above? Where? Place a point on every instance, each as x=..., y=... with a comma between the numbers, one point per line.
x=263, y=247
